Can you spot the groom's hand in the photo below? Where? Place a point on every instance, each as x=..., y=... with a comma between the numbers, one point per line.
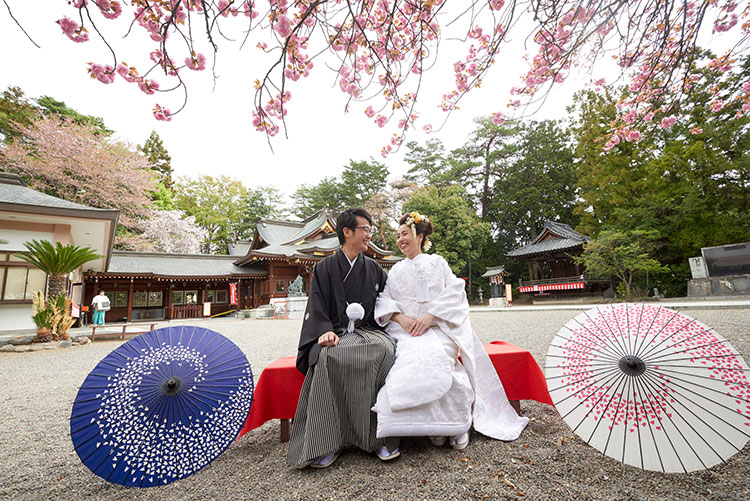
x=328, y=339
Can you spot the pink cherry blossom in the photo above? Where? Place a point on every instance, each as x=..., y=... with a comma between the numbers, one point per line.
x=72, y=30
x=102, y=72
x=283, y=26
x=197, y=62
x=668, y=122
x=385, y=47
x=223, y=7
x=163, y=114
x=497, y=118
x=109, y=9
x=148, y=86
x=128, y=73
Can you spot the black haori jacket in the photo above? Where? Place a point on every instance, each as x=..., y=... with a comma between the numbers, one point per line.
x=329, y=297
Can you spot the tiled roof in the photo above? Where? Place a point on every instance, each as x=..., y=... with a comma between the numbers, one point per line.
x=564, y=237
x=562, y=230
x=289, y=239
x=285, y=232
x=182, y=265
x=494, y=270
x=12, y=192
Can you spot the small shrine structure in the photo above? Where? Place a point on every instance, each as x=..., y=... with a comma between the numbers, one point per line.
x=496, y=276
x=553, y=270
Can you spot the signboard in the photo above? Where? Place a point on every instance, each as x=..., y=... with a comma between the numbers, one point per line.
x=232, y=294
x=206, y=309
x=725, y=260
x=75, y=310
x=280, y=310
x=698, y=267
x=508, y=293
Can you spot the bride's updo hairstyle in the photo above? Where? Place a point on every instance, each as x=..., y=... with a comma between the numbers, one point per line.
x=420, y=225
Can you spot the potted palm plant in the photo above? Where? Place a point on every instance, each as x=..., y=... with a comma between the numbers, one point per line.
x=61, y=317
x=43, y=318
x=57, y=261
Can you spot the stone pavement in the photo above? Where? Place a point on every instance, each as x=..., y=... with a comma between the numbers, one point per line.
x=677, y=303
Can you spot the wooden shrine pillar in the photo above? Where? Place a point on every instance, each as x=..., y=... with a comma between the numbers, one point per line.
x=130, y=301
x=169, y=301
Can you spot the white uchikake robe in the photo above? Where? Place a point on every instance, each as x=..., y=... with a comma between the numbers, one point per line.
x=428, y=392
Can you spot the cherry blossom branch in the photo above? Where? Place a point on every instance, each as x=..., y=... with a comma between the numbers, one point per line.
x=10, y=13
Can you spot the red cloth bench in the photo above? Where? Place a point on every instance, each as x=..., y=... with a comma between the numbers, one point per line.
x=279, y=385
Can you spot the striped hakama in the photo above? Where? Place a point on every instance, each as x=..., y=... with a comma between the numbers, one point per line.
x=334, y=408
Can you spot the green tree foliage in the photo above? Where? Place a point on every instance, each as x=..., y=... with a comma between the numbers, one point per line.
x=57, y=261
x=429, y=163
x=158, y=156
x=689, y=183
x=260, y=203
x=15, y=109
x=50, y=106
x=218, y=205
x=308, y=199
x=538, y=185
x=162, y=197
x=606, y=180
x=623, y=254
x=459, y=233
x=485, y=157
x=362, y=180
x=358, y=182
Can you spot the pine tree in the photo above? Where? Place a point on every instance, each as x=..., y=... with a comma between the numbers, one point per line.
x=158, y=156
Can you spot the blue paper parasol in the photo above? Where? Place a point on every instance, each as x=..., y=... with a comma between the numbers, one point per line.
x=161, y=406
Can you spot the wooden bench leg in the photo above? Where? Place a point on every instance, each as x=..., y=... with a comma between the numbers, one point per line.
x=284, y=431
x=516, y=404
x=93, y=333
x=123, y=332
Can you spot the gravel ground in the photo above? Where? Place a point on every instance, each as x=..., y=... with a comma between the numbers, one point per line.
x=37, y=460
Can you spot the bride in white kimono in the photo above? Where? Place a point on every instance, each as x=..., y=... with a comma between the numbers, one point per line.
x=428, y=391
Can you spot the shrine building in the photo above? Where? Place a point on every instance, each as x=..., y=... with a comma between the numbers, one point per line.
x=553, y=271
x=156, y=286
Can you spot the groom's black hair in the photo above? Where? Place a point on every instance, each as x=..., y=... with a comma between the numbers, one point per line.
x=348, y=219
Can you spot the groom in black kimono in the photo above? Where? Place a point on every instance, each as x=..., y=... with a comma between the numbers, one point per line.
x=343, y=370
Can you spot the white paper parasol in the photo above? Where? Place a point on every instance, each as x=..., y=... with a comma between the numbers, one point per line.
x=650, y=387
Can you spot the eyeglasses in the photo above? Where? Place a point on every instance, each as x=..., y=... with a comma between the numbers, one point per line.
x=367, y=230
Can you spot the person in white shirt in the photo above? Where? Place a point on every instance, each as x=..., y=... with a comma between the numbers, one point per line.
x=101, y=305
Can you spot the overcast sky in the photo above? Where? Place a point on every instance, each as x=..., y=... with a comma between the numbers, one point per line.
x=213, y=135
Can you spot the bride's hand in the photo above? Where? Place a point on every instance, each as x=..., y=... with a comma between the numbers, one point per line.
x=422, y=324
x=405, y=322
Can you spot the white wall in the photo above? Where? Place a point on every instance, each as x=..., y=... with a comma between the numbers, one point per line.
x=16, y=317
x=16, y=238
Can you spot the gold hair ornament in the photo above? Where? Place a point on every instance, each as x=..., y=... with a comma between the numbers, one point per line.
x=413, y=220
